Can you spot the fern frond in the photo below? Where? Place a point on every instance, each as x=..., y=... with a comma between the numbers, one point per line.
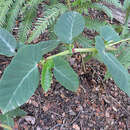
x=29, y=15
x=82, y=6
x=52, y=34
x=126, y=4
x=101, y=7
x=94, y=24
x=126, y=28
x=4, y=7
x=116, y=3
x=123, y=54
x=13, y=13
x=48, y=19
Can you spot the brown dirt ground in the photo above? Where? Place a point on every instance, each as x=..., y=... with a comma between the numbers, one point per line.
x=97, y=105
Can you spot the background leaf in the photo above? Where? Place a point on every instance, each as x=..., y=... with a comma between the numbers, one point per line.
x=7, y=43
x=84, y=41
x=109, y=34
x=46, y=76
x=124, y=56
x=68, y=26
x=21, y=77
x=65, y=75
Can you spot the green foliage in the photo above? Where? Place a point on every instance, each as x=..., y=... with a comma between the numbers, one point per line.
x=126, y=29
x=102, y=7
x=49, y=18
x=94, y=24
x=73, y=25
x=126, y=4
x=124, y=56
x=109, y=34
x=116, y=3
x=4, y=8
x=114, y=66
x=26, y=77
x=84, y=41
x=29, y=15
x=7, y=43
x=12, y=14
x=118, y=72
x=8, y=117
x=21, y=77
x=65, y=75
x=82, y=6
x=27, y=10
x=46, y=75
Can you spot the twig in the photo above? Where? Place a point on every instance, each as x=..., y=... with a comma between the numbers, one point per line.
x=56, y=113
x=75, y=118
x=57, y=125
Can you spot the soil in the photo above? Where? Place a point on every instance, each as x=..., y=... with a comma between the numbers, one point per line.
x=98, y=104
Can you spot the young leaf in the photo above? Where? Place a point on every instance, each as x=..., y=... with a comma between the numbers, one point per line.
x=68, y=26
x=46, y=76
x=21, y=77
x=118, y=72
x=16, y=113
x=7, y=43
x=109, y=34
x=65, y=75
x=8, y=117
x=5, y=119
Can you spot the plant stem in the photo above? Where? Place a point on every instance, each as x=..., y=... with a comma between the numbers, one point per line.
x=5, y=126
x=124, y=40
x=76, y=50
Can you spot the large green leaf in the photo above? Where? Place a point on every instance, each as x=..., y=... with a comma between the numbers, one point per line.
x=21, y=77
x=7, y=43
x=118, y=72
x=109, y=34
x=46, y=76
x=68, y=26
x=65, y=75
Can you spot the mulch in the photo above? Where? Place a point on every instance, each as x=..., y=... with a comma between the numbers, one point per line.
x=98, y=104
